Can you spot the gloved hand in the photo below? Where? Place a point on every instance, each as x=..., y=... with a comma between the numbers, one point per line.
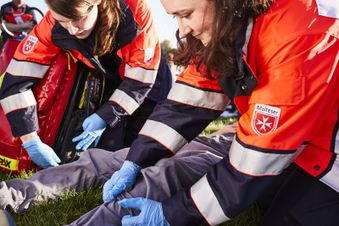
x=151, y=213
x=93, y=127
x=120, y=181
x=6, y=219
x=41, y=154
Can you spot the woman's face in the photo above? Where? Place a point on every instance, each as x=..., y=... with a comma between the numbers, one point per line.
x=194, y=17
x=18, y=2
x=83, y=27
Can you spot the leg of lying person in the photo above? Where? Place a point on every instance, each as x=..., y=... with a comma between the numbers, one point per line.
x=94, y=167
x=166, y=178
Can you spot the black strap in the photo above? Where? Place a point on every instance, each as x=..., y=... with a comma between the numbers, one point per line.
x=243, y=82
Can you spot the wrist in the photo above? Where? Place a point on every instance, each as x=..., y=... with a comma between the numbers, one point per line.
x=28, y=137
x=100, y=120
x=129, y=164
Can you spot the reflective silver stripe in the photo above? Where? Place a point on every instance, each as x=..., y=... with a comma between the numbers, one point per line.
x=28, y=69
x=140, y=74
x=331, y=179
x=198, y=98
x=164, y=134
x=258, y=163
x=124, y=100
x=18, y=101
x=328, y=8
x=336, y=145
x=207, y=203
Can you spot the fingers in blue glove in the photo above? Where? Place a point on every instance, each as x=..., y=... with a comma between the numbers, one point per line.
x=151, y=212
x=56, y=158
x=88, y=143
x=93, y=122
x=134, y=203
x=85, y=142
x=51, y=161
x=130, y=220
x=120, y=181
x=41, y=154
x=111, y=192
x=96, y=141
x=86, y=138
x=80, y=137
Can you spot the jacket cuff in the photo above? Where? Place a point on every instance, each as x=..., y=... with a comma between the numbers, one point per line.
x=181, y=205
x=111, y=113
x=23, y=121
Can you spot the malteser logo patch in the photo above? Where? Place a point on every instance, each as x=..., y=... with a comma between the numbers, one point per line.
x=29, y=44
x=265, y=119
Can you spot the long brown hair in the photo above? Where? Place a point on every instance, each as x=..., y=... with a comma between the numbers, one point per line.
x=219, y=54
x=109, y=16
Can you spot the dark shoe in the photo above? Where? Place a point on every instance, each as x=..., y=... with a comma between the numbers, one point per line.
x=6, y=219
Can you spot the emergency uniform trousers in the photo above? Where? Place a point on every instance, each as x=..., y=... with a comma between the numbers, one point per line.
x=96, y=166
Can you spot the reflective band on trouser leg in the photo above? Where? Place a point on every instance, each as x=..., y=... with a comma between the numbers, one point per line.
x=208, y=205
x=164, y=134
x=196, y=97
x=259, y=163
x=18, y=101
x=125, y=101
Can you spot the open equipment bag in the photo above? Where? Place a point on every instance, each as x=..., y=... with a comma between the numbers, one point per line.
x=51, y=94
x=67, y=94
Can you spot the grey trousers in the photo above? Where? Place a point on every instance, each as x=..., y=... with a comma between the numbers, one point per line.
x=96, y=166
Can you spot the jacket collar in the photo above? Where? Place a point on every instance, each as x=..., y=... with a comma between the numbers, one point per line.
x=127, y=31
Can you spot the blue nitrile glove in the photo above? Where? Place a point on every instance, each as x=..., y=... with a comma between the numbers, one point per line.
x=41, y=154
x=150, y=213
x=6, y=219
x=93, y=127
x=120, y=181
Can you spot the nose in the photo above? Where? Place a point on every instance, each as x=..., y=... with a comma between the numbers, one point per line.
x=184, y=28
x=72, y=29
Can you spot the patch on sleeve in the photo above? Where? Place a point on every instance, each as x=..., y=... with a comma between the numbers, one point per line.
x=265, y=119
x=149, y=54
x=328, y=8
x=29, y=44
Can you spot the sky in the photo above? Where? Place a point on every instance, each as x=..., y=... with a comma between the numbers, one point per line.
x=166, y=24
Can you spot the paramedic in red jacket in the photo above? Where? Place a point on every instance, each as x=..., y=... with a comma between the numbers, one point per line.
x=281, y=69
x=118, y=38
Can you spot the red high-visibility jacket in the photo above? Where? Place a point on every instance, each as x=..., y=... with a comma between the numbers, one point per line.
x=138, y=54
x=289, y=102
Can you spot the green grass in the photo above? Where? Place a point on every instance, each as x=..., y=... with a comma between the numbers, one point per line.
x=217, y=124
x=72, y=205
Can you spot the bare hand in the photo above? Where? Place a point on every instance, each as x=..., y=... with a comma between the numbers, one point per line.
x=27, y=26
